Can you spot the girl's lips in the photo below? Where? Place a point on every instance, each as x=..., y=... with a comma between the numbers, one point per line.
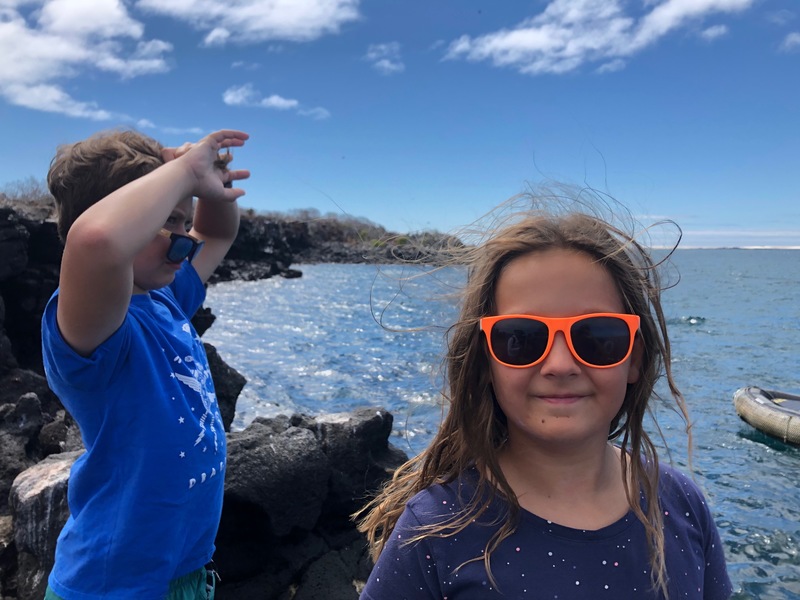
x=561, y=398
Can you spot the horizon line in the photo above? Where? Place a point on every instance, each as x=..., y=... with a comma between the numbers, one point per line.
x=753, y=247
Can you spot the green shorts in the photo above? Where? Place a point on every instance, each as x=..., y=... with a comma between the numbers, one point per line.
x=197, y=585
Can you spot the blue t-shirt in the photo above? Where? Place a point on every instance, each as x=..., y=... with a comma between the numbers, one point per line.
x=543, y=560
x=146, y=496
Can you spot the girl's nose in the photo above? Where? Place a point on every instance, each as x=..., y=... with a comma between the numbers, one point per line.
x=560, y=360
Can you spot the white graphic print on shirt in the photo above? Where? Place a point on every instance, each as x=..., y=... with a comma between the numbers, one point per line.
x=199, y=381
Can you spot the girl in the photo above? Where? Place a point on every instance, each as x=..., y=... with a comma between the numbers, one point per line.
x=559, y=344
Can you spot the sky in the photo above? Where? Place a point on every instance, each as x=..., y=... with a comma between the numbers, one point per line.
x=425, y=114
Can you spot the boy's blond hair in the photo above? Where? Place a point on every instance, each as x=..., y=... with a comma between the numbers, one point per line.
x=83, y=173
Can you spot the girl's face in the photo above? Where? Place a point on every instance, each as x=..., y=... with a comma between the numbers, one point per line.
x=151, y=269
x=559, y=400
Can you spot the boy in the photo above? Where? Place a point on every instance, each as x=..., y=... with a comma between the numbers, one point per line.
x=121, y=354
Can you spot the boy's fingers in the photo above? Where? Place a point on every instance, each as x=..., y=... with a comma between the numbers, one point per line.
x=238, y=174
x=229, y=177
x=172, y=153
x=227, y=138
x=182, y=149
x=232, y=176
x=229, y=133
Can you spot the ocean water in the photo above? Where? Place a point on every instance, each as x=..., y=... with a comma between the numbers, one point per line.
x=346, y=336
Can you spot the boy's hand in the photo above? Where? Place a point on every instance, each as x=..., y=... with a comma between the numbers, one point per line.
x=209, y=168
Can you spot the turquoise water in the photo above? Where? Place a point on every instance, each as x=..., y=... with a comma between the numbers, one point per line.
x=315, y=345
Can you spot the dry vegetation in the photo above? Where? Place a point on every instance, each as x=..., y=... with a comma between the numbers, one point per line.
x=31, y=198
x=28, y=196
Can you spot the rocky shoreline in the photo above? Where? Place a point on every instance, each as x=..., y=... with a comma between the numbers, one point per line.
x=292, y=482
x=267, y=245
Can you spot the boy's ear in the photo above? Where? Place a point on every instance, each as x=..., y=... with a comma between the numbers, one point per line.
x=635, y=367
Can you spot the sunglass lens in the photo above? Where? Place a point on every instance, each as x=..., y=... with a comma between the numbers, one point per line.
x=519, y=341
x=179, y=249
x=601, y=341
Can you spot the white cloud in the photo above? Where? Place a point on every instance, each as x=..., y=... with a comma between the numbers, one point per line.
x=780, y=17
x=50, y=98
x=612, y=66
x=148, y=124
x=104, y=18
x=246, y=95
x=217, y=37
x=45, y=43
x=248, y=21
x=247, y=66
x=791, y=42
x=385, y=58
x=275, y=101
x=195, y=131
x=243, y=95
x=571, y=33
x=57, y=40
x=318, y=113
x=147, y=58
x=712, y=33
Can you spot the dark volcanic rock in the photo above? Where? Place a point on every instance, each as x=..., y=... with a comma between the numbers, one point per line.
x=17, y=382
x=30, y=256
x=228, y=383
x=263, y=468
x=291, y=485
x=13, y=244
x=263, y=248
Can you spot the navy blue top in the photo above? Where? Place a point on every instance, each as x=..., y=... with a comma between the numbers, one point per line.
x=543, y=560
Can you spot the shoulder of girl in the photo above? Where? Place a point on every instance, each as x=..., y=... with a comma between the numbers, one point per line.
x=437, y=499
x=673, y=481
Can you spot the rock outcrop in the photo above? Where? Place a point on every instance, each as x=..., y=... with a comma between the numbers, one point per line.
x=39, y=507
x=291, y=485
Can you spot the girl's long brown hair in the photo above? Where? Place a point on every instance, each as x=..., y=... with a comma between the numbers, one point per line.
x=474, y=429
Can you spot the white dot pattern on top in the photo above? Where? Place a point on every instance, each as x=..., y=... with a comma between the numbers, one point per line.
x=544, y=560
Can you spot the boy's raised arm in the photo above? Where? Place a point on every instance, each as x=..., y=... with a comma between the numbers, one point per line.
x=216, y=223
x=109, y=245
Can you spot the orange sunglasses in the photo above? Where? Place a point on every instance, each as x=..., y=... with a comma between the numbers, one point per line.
x=598, y=340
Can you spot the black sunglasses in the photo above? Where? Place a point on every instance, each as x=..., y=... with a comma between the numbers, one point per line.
x=181, y=246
